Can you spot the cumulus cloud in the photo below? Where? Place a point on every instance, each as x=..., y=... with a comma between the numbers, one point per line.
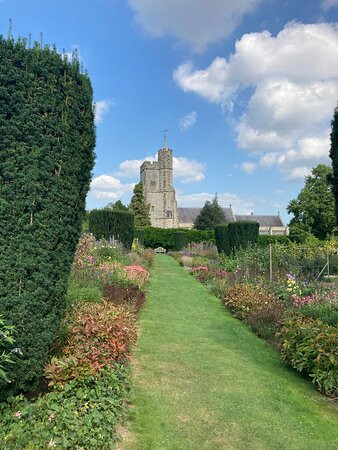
x=239, y=204
x=109, y=187
x=247, y=167
x=327, y=4
x=294, y=77
x=188, y=121
x=101, y=108
x=185, y=170
x=194, y=22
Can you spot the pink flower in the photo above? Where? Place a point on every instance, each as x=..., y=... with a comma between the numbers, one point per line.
x=18, y=414
x=51, y=417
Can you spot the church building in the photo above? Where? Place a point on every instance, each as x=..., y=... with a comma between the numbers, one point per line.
x=159, y=194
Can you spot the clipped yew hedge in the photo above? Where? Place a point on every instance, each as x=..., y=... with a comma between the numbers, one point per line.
x=47, y=137
x=235, y=235
x=109, y=223
x=180, y=240
x=165, y=237
x=266, y=239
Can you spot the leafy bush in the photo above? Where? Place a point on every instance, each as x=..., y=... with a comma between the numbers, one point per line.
x=245, y=299
x=99, y=335
x=108, y=223
x=84, y=414
x=180, y=240
x=266, y=321
x=47, y=137
x=89, y=293
x=310, y=346
x=325, y=311
x=128, y=296
x=266, y=239
x=165, y=237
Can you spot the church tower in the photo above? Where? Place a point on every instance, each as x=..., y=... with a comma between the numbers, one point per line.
x=159, y=193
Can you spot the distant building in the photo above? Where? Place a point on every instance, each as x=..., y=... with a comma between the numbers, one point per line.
x=159, y=193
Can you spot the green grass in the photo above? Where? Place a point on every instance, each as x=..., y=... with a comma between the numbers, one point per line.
x=202, y=380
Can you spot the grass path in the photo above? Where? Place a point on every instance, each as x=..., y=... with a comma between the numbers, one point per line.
x=202, y=380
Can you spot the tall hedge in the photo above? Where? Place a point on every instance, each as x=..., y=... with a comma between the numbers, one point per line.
x=222, y=239
x=47, y=137
x=243, y=233
x=165, y=237
x=108, y=223
x=180, y=240
x=236, y=235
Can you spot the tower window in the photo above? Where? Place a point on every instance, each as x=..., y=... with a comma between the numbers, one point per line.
x=169, y=214
x=153, y=208
x=153, y=183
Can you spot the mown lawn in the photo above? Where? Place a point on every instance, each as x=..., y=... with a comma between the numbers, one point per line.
x=202, y=380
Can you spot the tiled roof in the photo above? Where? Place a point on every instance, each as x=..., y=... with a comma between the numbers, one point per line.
x=188, y=215
x=264, y=221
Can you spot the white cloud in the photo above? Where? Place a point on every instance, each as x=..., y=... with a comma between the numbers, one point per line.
x=248, y=167
x=239, y=205
x=109, y=187
x=101, y=108
x=188, y=121
x=186, y=170
x=327, y=4
x=294, y=77
x=194, y=22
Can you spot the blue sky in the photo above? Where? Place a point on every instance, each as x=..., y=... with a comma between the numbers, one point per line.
x=247, y=90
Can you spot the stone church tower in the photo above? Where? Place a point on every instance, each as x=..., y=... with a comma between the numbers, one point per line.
x=159, y=193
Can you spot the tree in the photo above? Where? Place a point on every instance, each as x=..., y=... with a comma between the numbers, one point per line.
x=138, y=206
x=334, y=157
x=117, y=206
x=211, y=215
x=314, y=208
x=47, y=137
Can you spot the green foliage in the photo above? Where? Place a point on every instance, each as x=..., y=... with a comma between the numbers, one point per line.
x=6, y=340
x=84, y=414
x=140, y=235
x=223, y=239
x=117, y=206
x=211, y=215
x=47, y=137
x=334, y=157
x=310, y=346
x=265, y=240
x=180, y=240
x=139, y=208
x=90, y=293
x=108, y=223
x=314, y=208
x=325, y=311
x=165, y=237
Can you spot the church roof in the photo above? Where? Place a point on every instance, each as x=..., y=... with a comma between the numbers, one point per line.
x=188, y=215
x=264, y=221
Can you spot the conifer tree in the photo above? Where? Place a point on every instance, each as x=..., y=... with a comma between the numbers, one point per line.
x=118, y=206
x=210, y=215
x=334, y=157
x=47, y=137
x=138, y=206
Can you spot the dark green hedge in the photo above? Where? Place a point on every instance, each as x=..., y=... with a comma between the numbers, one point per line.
x=266, y=239
x=235, y=235
x=47, y=137
x=180, y=240
x=139, y=234
x=222, y=239
x=165, y=237
x=108, y=223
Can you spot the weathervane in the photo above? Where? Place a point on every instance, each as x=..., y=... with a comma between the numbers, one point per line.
x=165, y=139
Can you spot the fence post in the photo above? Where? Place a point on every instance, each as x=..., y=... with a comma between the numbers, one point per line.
x=328, y=265
x=270, y=254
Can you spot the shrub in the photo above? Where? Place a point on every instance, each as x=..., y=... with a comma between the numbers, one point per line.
x=47, y=136
x=244, y=299
x=241, y=234
x=6, y=340
x=180, y=240
x=325, y=311
x=266, y=239
x=90, y=293
x=310, y=346
x=266, y=321
x=222, y=238
x=99, y=335
x=108, y=223
x=140, y=235
x=85, y=414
